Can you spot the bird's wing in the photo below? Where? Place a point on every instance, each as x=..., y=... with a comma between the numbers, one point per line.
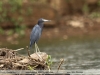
x=35, y=34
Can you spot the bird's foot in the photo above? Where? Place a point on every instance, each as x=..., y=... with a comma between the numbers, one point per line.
x=41, y=59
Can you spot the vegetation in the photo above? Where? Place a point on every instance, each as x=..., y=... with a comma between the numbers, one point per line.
x=12, y=12
x=21, y=62
x=95, y=14
x=49, y=61
x=7, y=15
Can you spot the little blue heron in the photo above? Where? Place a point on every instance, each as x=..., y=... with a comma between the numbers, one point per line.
x=36, y=33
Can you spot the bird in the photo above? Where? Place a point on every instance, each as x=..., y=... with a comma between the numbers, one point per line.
x=36, y=33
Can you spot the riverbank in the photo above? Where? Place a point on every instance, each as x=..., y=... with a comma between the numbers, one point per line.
x=73, y=26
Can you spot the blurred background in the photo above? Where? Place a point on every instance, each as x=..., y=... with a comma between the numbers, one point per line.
x=73, y=34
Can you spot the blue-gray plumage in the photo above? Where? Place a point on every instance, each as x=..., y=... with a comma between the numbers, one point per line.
x=36, y=32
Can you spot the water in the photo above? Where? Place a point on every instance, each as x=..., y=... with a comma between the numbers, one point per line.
x=78, y=53
x=83, y=53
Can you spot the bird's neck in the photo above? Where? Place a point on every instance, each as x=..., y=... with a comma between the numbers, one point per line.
x=40, y=24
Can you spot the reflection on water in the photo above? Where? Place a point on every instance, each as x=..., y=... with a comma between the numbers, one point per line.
x=78, y=53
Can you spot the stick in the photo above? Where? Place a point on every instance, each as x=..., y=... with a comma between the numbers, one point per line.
x=61, y=61
x=19, y=49
x=28, y=51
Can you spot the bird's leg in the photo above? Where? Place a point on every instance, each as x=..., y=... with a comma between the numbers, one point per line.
x=37, y=48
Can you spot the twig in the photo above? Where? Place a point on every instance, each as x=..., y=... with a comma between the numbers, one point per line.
x=19, y=49
x=28, y=51
x=61, y=61
x=37, y=62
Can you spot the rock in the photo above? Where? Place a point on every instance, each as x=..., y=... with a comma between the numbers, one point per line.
x=39, y=56
x=76, y=24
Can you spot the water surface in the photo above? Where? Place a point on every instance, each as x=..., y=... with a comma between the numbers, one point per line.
x=78, y=53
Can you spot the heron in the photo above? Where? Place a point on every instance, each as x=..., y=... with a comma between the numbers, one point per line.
x=36, y=33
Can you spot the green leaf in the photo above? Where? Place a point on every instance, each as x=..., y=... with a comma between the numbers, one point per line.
x=30, y=68
x=49, y=62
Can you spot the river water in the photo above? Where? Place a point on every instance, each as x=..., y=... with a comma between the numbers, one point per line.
x=78, y=53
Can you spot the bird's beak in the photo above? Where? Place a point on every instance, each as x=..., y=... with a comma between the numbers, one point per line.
x=46, y=20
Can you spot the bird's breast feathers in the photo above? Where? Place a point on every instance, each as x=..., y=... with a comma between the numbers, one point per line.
x=36, y=32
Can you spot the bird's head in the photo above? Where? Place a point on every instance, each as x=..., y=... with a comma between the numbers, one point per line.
x=41, y=20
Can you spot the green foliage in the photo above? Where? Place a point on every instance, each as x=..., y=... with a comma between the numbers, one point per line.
x=95, y=15
x=85, y=8
x=98, y=2
x=49, y=61
x=10, y=32
x=14, y=14
x=1, y=31
x=30, y=68
x=29, y=12
x=20, y=30
x=1, y=6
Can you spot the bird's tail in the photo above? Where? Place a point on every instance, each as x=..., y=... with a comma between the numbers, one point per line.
x=30, y=46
